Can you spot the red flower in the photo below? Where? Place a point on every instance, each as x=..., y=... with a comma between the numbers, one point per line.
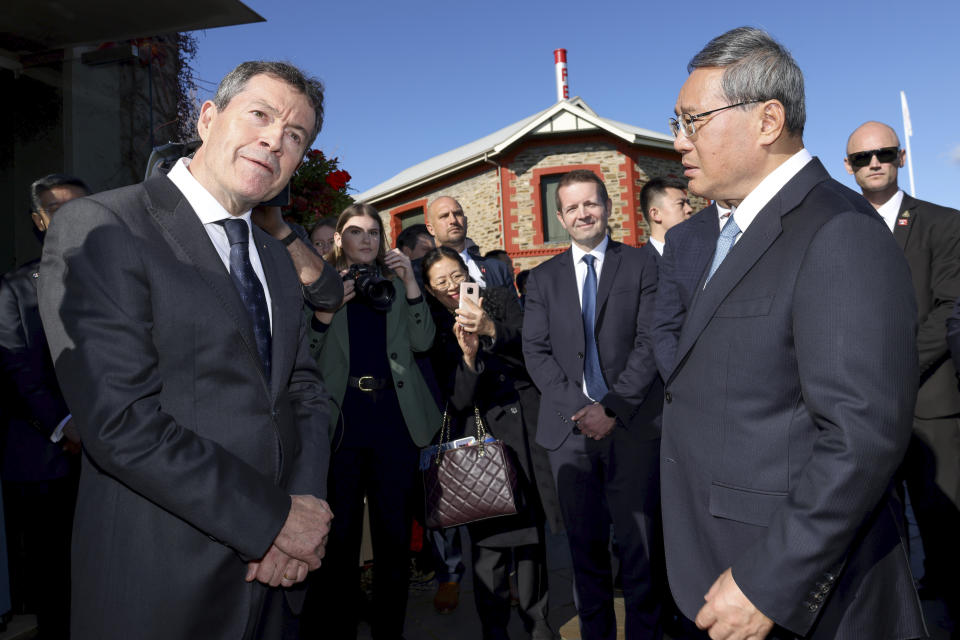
x=338, y=179
x=314, y=153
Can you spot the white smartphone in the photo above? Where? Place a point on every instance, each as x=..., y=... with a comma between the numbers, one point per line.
x=469, y=291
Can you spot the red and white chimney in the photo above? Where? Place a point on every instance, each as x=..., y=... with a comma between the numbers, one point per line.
x=560, y=64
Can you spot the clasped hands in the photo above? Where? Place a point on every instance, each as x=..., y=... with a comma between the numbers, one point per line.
x=593, y=421
x=298, y=548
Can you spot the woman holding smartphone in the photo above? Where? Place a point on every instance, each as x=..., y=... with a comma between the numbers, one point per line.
x=382, y=412
x=478, y=360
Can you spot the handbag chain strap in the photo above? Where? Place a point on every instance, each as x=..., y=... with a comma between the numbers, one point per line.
x=445, y=433
x=481, y=431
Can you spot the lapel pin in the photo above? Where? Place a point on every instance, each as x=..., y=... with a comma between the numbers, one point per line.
x=902, y=222
x=905, y=214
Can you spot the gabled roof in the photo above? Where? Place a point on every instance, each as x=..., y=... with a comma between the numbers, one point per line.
x=564, y=116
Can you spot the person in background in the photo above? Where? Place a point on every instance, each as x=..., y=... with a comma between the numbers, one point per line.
x=664, y=204
x=41, y=442
x=322, y=235
x=415, y=241
x=929, y=236
x=586, y=345
x=384, y=413
x=478, y=358
x=447, y=223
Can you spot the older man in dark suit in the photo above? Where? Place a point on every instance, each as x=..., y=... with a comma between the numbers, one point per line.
x=587, y=347
x=930, y=238
x=788, y=409
x=177, y=334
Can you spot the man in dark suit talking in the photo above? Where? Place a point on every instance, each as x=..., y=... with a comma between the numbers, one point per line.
x=789, y=406
x=587, y=348
x=177, y=335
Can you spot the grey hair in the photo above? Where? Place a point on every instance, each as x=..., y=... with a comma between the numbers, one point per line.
x=235, y=82
x=756, y=68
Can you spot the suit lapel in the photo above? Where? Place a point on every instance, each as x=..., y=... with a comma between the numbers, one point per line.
x=904, y=223
x=177, y=218
x=611, y=263
x=754, y=242
x=286, y=319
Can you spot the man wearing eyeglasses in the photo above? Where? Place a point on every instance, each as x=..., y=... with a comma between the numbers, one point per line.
x=930, y=238
x=788, y=409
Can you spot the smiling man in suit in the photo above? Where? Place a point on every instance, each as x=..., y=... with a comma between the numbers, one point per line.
x=177, y=335
x=789, y=407
x=930, y=238
x=587, y=348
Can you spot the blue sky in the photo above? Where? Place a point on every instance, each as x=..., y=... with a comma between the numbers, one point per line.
x=407, y=81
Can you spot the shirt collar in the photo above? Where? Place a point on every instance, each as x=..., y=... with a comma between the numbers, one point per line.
x=658, y=245
x=764, y=192
x=207, y=208
x=890, y=209
x=598, y=251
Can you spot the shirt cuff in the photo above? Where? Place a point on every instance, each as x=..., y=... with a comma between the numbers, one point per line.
x=413, y=301
x=57, y=434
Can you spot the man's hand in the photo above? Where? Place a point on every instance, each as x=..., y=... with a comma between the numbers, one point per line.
x=729, y=615
x=277, y=569
x=270, y=219
x=593, y=421
x=304, y=534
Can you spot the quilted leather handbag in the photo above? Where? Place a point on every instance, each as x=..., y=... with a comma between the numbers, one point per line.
x=469, y=483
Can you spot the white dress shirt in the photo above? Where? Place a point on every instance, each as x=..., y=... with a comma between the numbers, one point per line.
x=211, y=213
x=764, y=192
x=890, y=209
x=473, y=268
x=658, y=245
x=580, y=268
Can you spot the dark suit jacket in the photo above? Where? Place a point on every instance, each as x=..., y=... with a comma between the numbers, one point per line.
x=190, y=453
x=35, y=404
x=495, y=272
x=788, y=411
x=953, y=335
x=686, y=255
x=930, y=238
x=553, y=343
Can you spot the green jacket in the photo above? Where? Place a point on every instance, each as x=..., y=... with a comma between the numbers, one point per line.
x=409, y=328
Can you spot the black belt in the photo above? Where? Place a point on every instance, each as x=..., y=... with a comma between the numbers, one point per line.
x=367, y=383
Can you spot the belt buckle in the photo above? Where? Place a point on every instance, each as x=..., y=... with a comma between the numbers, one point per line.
x=366, y=380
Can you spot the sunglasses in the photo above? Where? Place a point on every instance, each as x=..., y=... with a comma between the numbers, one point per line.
x=862, y=158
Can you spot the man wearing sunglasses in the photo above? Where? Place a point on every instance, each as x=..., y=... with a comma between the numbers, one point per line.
x=930, y=238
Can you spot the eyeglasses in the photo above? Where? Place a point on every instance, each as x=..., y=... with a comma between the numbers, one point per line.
x=686, y=121
x=443, y=283
x=861, y=159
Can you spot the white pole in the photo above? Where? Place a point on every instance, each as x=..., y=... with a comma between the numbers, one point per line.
x=907, y=132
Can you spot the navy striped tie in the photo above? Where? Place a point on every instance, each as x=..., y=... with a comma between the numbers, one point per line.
x=592, y=375
x=249, y=286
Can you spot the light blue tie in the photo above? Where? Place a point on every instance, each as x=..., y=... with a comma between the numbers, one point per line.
x=727, y=235
x=592, y=376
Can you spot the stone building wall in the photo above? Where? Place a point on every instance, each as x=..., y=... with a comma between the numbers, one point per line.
x=479, y=194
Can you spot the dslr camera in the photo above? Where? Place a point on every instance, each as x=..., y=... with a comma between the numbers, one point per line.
x=371, y=287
